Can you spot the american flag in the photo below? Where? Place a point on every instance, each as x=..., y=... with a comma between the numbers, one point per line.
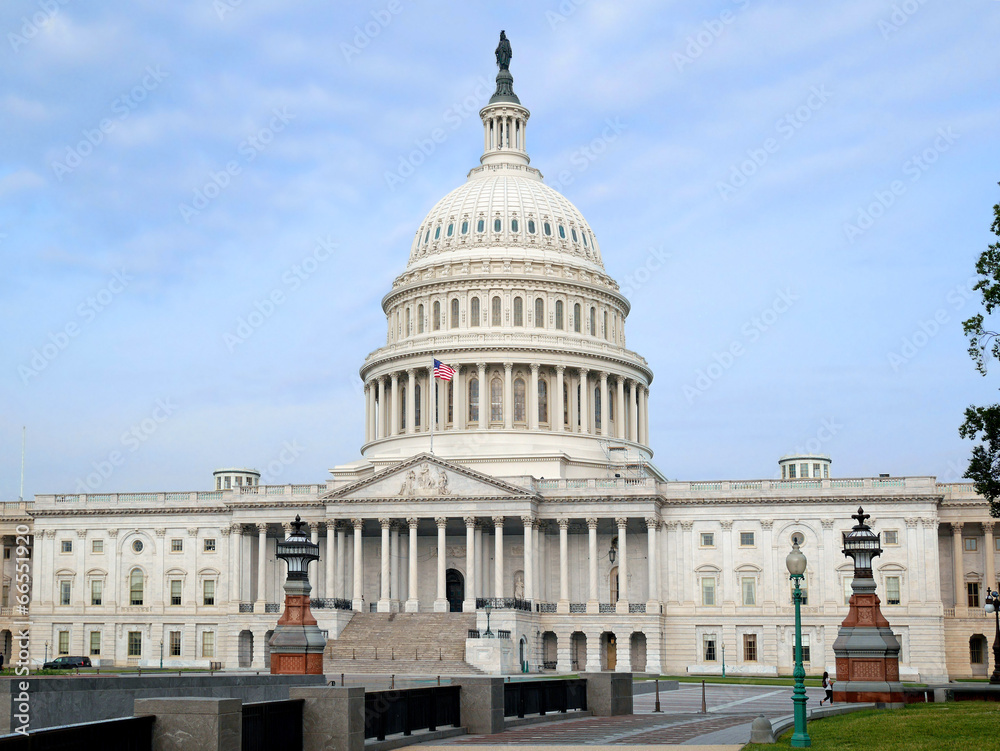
x=442, y=371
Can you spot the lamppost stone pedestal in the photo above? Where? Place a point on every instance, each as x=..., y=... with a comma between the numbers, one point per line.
x=298, y=643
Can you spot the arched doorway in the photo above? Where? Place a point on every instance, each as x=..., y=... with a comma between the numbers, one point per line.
x=550, y=655
x=638, y=652
x=578, y=650
x=609, y=651
x=454, y=589
x=267, y=649
x=245, y=648
x=977, y=654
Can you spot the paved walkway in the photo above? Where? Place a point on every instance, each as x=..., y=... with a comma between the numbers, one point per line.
x=731, y=709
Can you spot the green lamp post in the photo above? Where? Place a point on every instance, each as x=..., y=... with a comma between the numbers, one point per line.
x=796, y=564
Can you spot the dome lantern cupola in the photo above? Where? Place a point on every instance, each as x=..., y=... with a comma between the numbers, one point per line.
x=504, y=118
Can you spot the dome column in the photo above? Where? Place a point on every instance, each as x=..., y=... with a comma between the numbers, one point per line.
x=508, y=396
x=460, y=393
x=644, y=410
x=394, y=406
x=483, y=396
x=620, y=409
x=533, y=401
x=605, y=428
x=633, y=412
x=584, y=409
x=558, y=419
x=411, y=399
x=381, y=421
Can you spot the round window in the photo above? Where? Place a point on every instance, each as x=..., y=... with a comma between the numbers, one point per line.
x=137, y=546
x=798, y=538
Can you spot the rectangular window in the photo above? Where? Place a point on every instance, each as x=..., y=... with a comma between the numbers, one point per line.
x=890, y=537
x=806, y=654
x=892, y=590
x=208, y=644
x=976, y=651
x=64, y=642
x=749, y=647
x=209, y=592
x=815, y=470
x=746, y=539
x=209, y=544
x=229, y=483
x=826, y=471
x=135, y=644
x=67, y=546
x=749, y=590
x=176, y=545
x=971, y=544
x=175, y=644
x=95, y=642
x=709, y=646
x=97, y=546
x=65, y=592
x=96, y=592
x=707, y=540
x=804, y=470
x=175, y=591
x=973, y=591
x=708, y=590
x=791, y=471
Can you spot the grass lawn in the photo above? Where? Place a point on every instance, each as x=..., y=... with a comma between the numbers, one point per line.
x=955, y=726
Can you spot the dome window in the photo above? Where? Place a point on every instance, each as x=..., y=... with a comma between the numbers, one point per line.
x=531, y=226
x=547, y=229
x=437, y=232
x=572, y=230
x=497, y=225
x=451, y=230
x=427, y=237
x=513, y=225
x=481, y=226
x=562, y=232
x=584, y=234
x=465, y=229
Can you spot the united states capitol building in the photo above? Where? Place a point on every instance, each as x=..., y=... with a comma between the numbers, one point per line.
x=536, y=494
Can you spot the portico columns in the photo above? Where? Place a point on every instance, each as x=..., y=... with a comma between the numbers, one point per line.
x=498, y=556
x=469, y=606
x=633, y=412
x=395, y=585
x=563, y=605
x=359, y=593
x=622, y=606
x=605, y=428
x=961, y=603
x=479, y=585
x=533, y=406
x=381, y=421
x=593, y=604
x=394, y=406
x=508, y=396
x=652, y=598
x=236, y=542
x=620, y=408
x=529, y=570
x=484, y=396
x=412, y=601
x=584, y=411
x=441, y=602
x=341, y=560
x=329, y=588
x=557, y=419
x=411, y=399
x=313, y=572
x=384, y=576
x=261, y=567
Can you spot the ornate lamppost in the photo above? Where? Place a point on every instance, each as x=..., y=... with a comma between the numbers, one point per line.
x=993, y=606
x=796, y=564
x=488, y=607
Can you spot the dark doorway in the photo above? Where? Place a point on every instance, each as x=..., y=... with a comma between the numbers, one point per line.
x=454, y=589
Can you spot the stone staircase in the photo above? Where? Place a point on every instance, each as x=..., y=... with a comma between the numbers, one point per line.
x=402, y=644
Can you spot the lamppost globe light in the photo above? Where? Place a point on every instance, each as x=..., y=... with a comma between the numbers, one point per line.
x=795, y=561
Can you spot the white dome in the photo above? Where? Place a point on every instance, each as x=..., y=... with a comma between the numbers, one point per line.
x=466, y=219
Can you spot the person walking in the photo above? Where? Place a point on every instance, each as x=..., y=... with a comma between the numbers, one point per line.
x=828, y=686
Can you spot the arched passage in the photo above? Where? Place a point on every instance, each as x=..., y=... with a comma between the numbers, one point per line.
x=638, y=652
x=550, y=643
x=245, y=648
x=977, y=654
x=454, y=589
x=578, y=650
x=609, y=651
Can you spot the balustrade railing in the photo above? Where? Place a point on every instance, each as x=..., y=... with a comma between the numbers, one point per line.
x=606, y=607
x=637, y=607
x=246, y=607
x=272, y=607
x=578, y=607
x=522, y=698
x=269, y=725
x=504, y=603
x=545, y=607
x=395, y=712
x=331, y=603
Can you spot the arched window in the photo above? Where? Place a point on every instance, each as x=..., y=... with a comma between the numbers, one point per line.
x=408, y=330
x=480, y=225
x=427, y=237
x=593, y=321
x=543, y=401
x=497, y=225
x=547, y=229
x=559, y=314
x=474, y=400
x=402, y=408
x=531, y=226
x=451, y=229
x=465, y=228
x=436, y=318
x=520, y=410
x=562, y=232
x=474, y=312
x=420, y=319
x=565, y=415
x=454, y=314
x=573, y=231
x=513, y=225
x=539, y=313
x=496, y=400
x=607, y=331
x=518, y=311
x=437, y=232
x=135, y=586
x=597, y=408
x=576, y=318
x=416, y=405
x=613, y=581
x=451, y=402
x=495, y=313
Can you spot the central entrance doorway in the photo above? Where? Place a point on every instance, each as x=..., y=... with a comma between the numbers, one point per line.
x=454, y=589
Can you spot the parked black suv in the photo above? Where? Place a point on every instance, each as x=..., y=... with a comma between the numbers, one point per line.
x=67, y=662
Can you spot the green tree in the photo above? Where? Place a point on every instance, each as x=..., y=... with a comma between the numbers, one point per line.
x=982, y=424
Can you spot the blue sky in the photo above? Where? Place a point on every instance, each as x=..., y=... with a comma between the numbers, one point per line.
x=793, y=196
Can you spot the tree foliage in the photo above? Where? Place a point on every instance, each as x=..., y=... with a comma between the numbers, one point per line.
x=982, y=424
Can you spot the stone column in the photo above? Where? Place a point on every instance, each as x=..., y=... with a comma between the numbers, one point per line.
x=653, y=598
x=236, y=589
x=633, y=412
x=441, y=603
x=533, y=402
x=536, y=560
x=412, y=599
x=368, y=412
x=469, y=606
x=261, y=566
x=432, y=401
x=913, y=559
x=605, y=428
x=384, y=577
x=313, y=572
x=961, y=602
x=394, y=406
x=411, y=392
x=563, y=605
x=498, y=555
x=461, y=393
x=529, y=563
x=395, y=585
x=622, y=606
x=484, y=397
x=381, y=417
x=329, y=588
x=341, y=568
x=508, y=396
x=557, y=419
x=990, y=553
x=478, y=563
x=620, y=408
x=644, y=416
x=359, y=592
x=584, y=410
x=593, y=604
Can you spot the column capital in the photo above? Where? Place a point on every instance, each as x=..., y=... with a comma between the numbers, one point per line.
x=385, y=523
x=621, y=521
x=591, y=522
x=237, y=529
x=498, y=521
x=261, y=528
x=560, y=369
x=583, y=372
x=911, y=522
x=113, y=532
x=287, y=526
x=358, y=523
x=988, y=526
x=604, y=375
x=727, y=524
x=470, y=521
x=686, y=526
x=766, y=524
x=160, y=532
x=332, y=525
x=412, y=372
x=563, y=524
x=395, y=377
x=956, y=528
x=930, y=522
x=827, y=523
x=481, y=365
x=192, y=531
x=224, y=530
x=670, y=525
x=508, y=366
x=652, y=522
x=412, y=521
x=535, y=367
x=528, y=520
x=441, y=521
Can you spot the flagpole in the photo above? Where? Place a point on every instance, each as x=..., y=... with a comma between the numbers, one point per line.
x=434, y=386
